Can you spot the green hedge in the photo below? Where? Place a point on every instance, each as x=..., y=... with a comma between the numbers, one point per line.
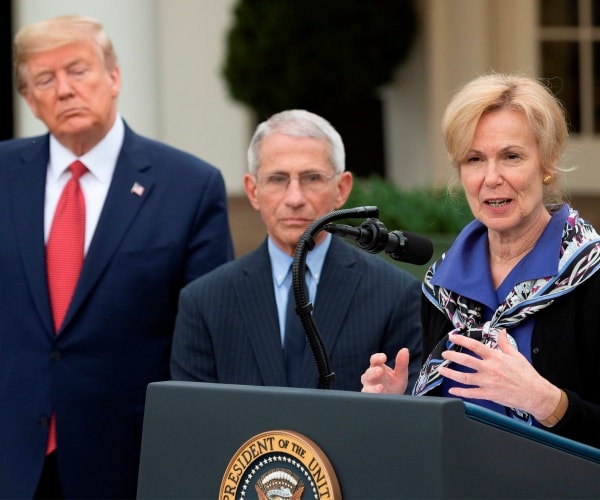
x=436, y=214
x=424, y=210
x=284, y=54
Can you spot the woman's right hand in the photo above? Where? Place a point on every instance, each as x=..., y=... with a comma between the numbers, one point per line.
x=380, y=378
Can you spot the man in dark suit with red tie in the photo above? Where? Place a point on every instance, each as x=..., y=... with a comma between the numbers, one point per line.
x=100, y=228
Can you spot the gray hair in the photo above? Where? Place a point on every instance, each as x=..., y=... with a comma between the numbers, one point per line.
x=298, y=123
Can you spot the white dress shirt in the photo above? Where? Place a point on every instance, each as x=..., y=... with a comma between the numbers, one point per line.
x=101, y=161
x=282, y=275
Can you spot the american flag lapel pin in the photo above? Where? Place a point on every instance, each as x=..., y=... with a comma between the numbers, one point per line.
x=137, y=189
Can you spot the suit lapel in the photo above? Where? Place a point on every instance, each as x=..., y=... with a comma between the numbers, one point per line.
x=338, y=283
x=120, y=208
x=255, y=294
x=28, y=188
x=336, y=289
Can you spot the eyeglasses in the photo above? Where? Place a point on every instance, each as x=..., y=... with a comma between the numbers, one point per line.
x=310, y=181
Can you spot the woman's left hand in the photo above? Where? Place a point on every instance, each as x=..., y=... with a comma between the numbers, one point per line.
x=502, y=375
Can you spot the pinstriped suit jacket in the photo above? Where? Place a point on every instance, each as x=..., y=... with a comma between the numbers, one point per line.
x=227, y=328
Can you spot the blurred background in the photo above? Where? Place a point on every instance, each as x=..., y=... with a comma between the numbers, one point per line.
x=199, y=74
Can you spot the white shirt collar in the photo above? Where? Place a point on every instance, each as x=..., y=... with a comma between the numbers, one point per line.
x=281, y=262
x=100, y=160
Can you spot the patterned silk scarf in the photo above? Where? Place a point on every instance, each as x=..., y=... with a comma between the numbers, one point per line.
x=579, y=259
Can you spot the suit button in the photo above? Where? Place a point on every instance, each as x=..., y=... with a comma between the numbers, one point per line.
x=535, y=350
x=43, y=422
x=55, y=356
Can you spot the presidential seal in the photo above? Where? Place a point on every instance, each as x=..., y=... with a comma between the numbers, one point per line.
x=279, y=465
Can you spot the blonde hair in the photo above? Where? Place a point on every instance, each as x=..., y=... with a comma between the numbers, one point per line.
x=494, y=92
x=56, y=32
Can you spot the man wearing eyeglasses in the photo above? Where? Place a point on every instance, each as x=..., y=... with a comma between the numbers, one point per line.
x=234, y=325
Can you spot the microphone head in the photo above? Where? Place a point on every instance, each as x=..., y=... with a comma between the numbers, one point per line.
x=414, y=249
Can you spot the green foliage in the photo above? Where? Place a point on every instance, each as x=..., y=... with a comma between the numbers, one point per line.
x=425, y=210
x=285, y=54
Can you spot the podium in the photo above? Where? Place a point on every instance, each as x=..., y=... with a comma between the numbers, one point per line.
x=380, y=446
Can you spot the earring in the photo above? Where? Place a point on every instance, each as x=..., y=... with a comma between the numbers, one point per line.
x=548, y=180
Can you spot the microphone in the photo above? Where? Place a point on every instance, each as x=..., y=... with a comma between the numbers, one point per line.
x=373, y=236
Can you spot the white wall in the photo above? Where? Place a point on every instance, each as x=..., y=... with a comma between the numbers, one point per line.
x=196, y=112
x=408, y=157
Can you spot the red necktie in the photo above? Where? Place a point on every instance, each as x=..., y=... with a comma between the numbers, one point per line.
x=64, y=256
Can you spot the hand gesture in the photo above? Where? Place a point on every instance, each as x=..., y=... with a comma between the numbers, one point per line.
x=380, y=378
x=502, y=375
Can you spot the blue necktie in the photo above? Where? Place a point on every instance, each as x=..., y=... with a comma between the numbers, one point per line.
x=294, y=343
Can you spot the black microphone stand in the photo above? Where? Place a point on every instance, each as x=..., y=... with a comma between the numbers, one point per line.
x=303, y=306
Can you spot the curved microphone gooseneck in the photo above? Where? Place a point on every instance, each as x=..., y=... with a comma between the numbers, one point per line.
x=303, y=306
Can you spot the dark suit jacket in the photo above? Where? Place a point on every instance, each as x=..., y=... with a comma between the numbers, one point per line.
x=117, y=333
x=227, y=328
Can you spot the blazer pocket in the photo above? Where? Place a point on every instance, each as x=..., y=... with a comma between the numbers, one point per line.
x=146, y=256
